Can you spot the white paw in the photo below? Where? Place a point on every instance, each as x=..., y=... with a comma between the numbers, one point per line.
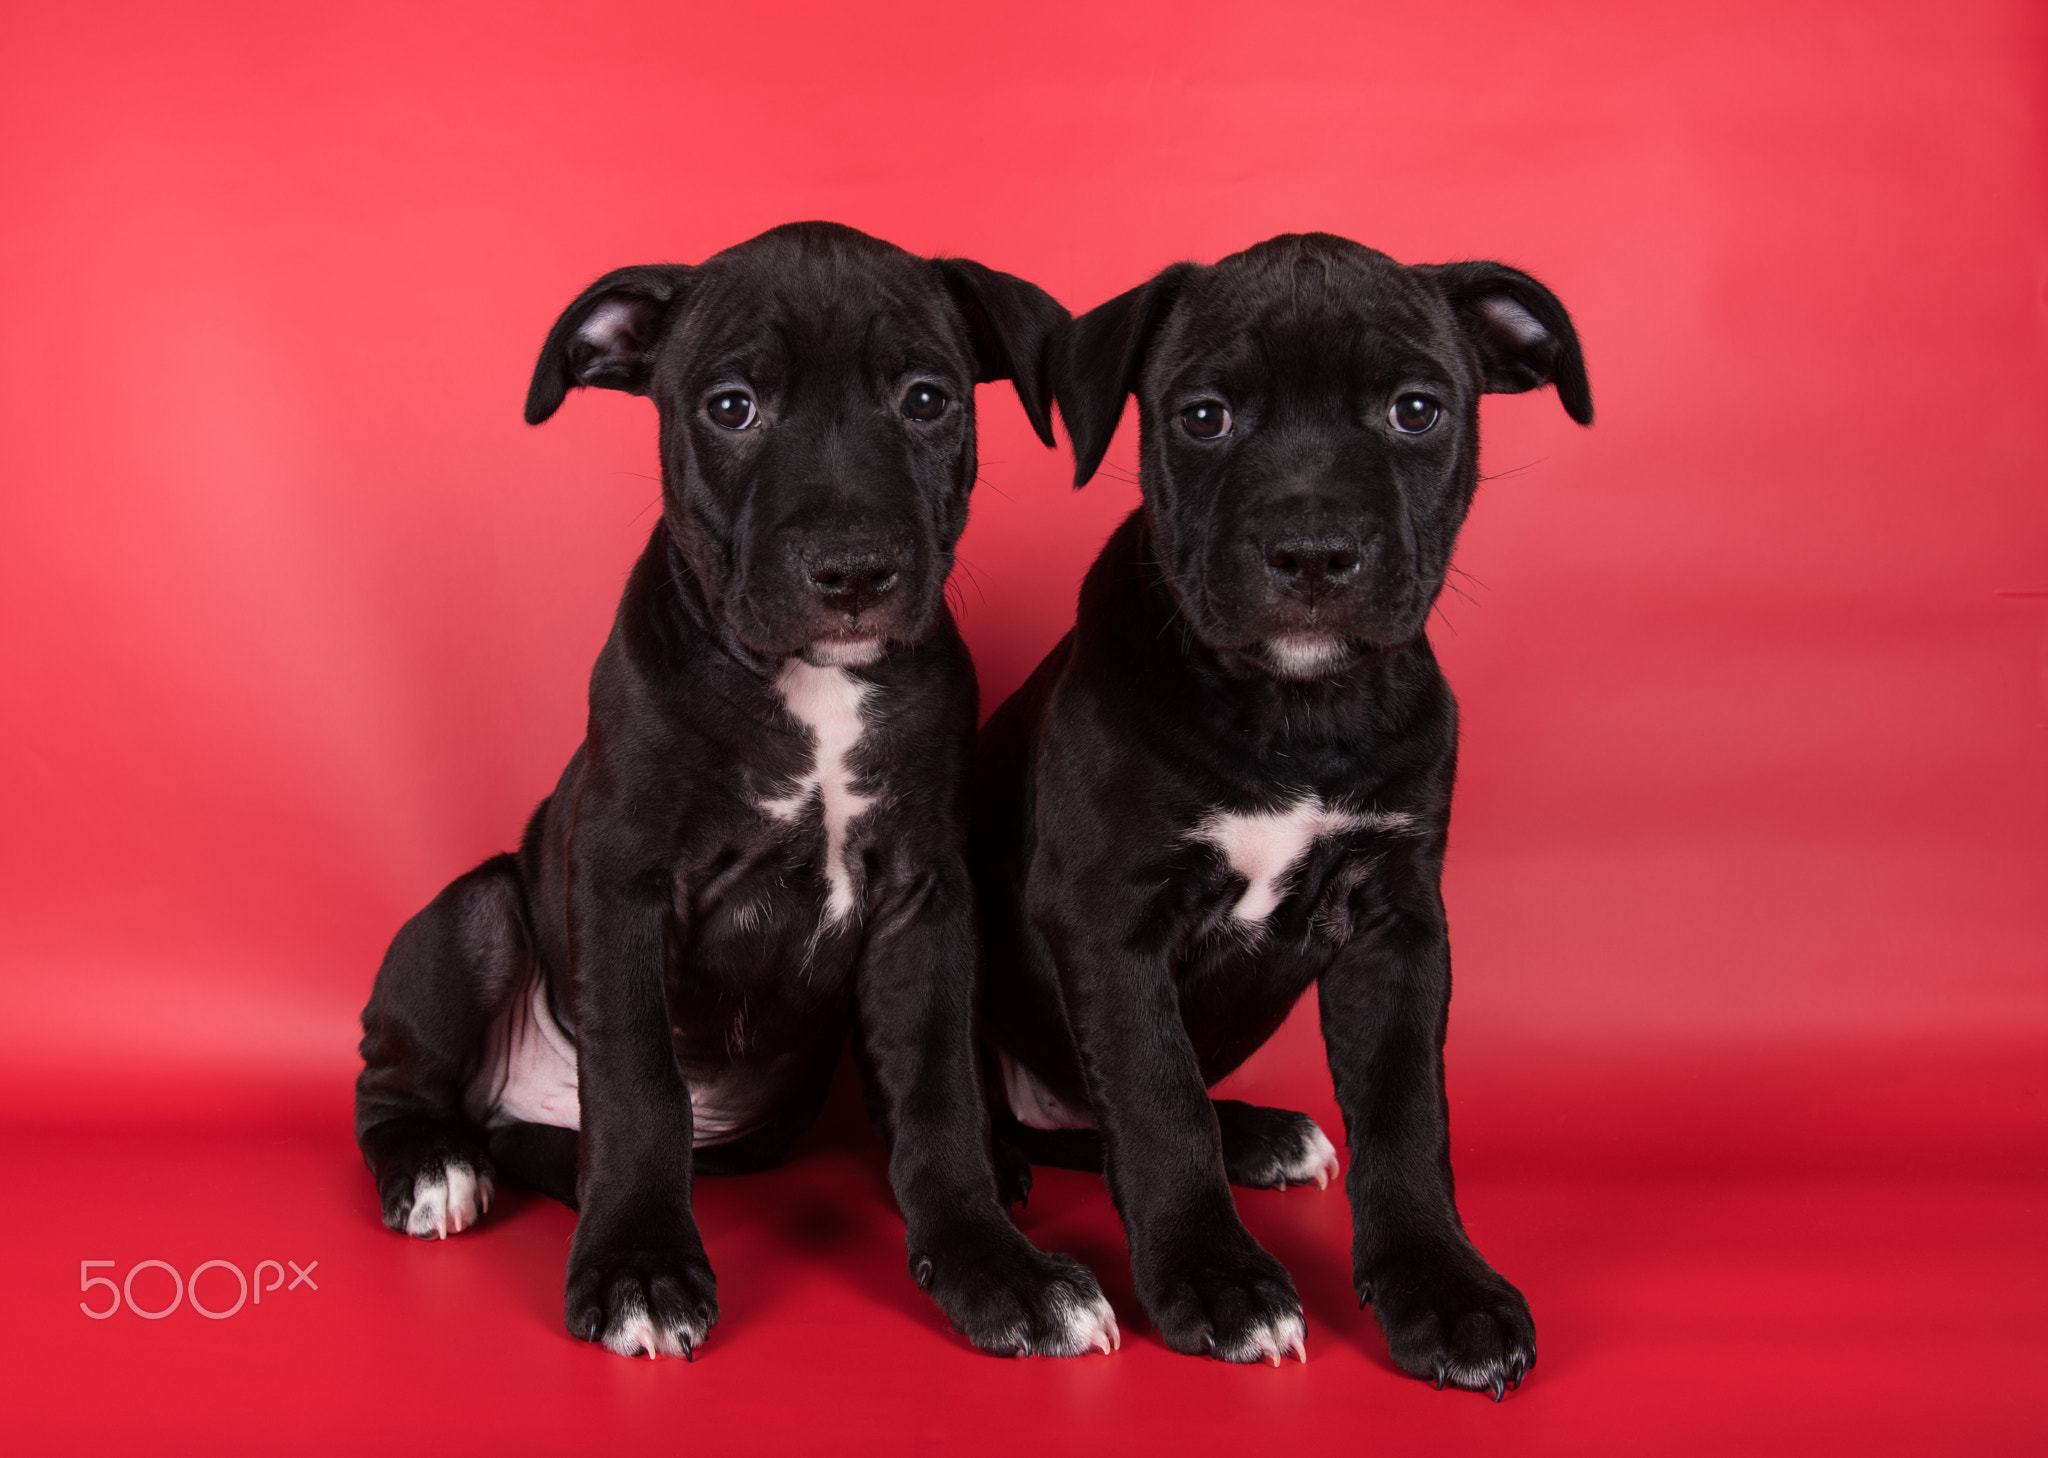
x=447, y=1201
x=635, y=1332
x=1314, y=1162
x=1269, y=1341
x=1083, y=1326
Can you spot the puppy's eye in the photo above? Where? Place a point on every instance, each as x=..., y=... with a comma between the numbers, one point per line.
x=1206, y=420
x=1413, y=414
x=733, y=409
x=924, y=402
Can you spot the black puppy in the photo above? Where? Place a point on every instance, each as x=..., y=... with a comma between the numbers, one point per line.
x=1233, y=779
x=760, y=844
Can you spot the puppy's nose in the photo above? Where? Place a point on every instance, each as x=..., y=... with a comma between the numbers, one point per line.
x=1313, y=564
x=851, y=582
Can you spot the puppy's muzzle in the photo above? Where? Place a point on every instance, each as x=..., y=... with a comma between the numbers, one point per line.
x=850, y=596
x=1316, y=587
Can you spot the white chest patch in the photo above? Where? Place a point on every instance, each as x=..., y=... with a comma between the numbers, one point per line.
x=1266, y=846
x=826, y=701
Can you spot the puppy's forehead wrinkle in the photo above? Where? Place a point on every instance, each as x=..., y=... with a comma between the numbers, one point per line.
x=1311, y=276
x=1321, y=361
x=857, y=364
x=802, y=310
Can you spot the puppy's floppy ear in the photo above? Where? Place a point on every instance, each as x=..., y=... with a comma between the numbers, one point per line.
x=1096, y=360
x=1009, y=322
x=606, y=336
x=1524, y=336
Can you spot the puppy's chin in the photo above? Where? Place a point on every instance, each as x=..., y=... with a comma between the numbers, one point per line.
x=845, y=650
x=1304, y=656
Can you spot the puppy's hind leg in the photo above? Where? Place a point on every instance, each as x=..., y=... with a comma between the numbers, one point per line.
x=540, y=1156
x=1270, y=1149
x=448, y=974
x=1263, y=1149
x=1013, y=1171
x=1057, y=1148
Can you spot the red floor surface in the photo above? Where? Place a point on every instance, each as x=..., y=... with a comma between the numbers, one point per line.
x=1749, y=865
x=1780, y=1256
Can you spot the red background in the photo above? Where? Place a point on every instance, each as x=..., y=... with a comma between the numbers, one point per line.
x=1748, y=858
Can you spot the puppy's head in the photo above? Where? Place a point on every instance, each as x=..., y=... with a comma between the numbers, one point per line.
x=1309, y=433
x=816, y=395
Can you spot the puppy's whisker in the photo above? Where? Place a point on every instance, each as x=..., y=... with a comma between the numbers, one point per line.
x=1514, y=470
x=973, y=577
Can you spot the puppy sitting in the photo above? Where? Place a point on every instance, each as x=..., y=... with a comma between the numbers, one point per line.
x=760, y=844
x=1232, y=779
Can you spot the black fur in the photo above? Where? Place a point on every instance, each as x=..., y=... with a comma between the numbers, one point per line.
x=1251, y=637
x=685, y=936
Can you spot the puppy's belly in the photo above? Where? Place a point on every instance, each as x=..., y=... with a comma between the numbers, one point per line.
x=529, y=1077
x=1036, y=1106
x=529, y=1072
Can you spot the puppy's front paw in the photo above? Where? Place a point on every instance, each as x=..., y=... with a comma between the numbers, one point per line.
x=643, y=1303
x=1239, y=1307
x=1008, y=1297
x=1451, y=1319
x=1270, y=1149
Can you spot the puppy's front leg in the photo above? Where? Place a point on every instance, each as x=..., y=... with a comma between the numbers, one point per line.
x=1448, y=1315
x=638, y=1278
x=1208, y=1286
x=916, y=1014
